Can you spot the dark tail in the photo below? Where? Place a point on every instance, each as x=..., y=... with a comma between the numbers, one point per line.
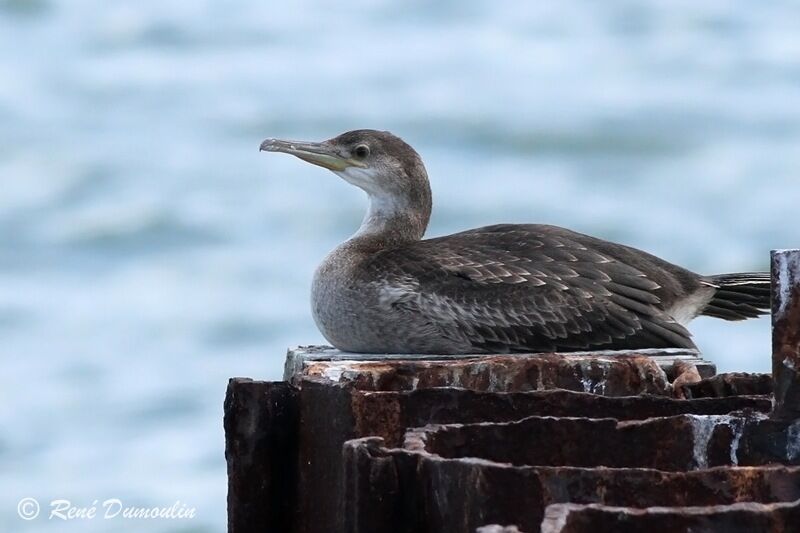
x=740, y=296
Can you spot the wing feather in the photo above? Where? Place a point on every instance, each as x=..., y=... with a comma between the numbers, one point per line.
x=521, y=288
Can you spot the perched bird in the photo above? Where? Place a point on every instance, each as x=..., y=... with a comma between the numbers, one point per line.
x=496, y=289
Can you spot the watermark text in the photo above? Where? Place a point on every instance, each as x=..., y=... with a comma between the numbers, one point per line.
x=108, y=509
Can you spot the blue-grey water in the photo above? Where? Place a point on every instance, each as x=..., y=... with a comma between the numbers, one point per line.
x=148, y=252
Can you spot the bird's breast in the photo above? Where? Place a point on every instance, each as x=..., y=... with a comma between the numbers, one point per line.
x=346, y=308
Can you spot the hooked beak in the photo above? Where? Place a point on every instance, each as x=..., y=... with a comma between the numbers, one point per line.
x=320, y=154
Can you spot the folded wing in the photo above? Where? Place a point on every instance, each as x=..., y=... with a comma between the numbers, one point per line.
x=514, y=288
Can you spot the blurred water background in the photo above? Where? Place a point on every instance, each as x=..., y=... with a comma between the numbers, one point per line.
x=148, y=252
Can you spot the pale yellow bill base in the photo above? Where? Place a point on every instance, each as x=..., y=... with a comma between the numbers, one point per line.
x=321, y=154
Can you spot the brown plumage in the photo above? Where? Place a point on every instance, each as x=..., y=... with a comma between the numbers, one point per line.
x=503, y=288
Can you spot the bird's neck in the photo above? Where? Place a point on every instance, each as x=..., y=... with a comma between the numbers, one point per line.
x=393, y=220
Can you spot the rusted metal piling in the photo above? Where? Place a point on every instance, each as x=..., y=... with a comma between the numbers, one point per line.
x=736, y=518
x=786, y=333
x=261, y=451
x=613, y=441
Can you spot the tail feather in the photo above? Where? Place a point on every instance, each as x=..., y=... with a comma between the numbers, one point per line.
x=739, y=296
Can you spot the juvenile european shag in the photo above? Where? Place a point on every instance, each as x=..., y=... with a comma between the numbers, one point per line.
x=496, y=289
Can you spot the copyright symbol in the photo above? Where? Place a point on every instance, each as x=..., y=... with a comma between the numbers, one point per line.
x=28, y=508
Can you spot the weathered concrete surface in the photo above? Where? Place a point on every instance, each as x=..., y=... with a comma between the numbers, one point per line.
x=429, y=493
x=260, y=448
x=744, y=517
x=786, y=333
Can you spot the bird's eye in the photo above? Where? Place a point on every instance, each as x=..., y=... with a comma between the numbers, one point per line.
x=361, y=151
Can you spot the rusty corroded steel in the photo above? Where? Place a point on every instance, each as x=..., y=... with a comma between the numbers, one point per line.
x=389, y=414
x=675, y=443
x=297, y=358
x=610, y=373
x=745, y=517
x=786, y=333
x=332, y=414
x=733, y=384
x=285, y=442
x=326, y=422
x=261, y=448
x=686, y=374
x=610, y=376
x=428, y=493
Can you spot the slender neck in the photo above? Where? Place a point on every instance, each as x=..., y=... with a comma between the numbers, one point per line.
x=392, y=220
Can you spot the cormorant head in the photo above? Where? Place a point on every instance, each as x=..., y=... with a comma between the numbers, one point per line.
x=382, y=164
